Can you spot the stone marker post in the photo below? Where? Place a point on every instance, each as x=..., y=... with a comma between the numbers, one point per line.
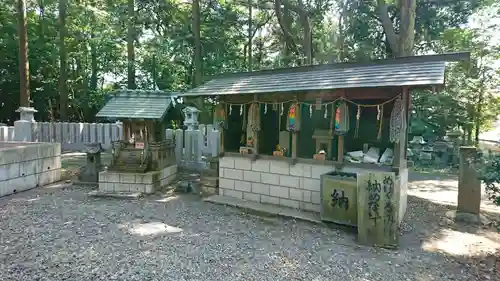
x=24, y=128
x=469, y=186
x=378, y=209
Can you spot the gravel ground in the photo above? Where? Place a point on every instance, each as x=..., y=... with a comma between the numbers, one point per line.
x=61, y=234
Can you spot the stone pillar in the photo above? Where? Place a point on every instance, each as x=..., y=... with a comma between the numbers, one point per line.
x=469, y=186
x=24, y=128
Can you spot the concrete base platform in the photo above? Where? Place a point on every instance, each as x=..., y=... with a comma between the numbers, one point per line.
x=466, y=217
x=119, y=195
x=265, y=208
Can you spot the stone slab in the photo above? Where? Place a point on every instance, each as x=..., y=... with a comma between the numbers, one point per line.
x=378, y=209
x=119, y=195
x=265, y=208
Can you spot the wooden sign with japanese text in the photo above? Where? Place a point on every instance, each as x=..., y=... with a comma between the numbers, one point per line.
x=378, y=208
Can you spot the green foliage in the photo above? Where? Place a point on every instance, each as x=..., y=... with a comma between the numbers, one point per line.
x=490, y=175
x=164, y=46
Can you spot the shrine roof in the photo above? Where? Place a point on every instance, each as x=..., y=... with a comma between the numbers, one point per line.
x=137, y=104
x=415, y=71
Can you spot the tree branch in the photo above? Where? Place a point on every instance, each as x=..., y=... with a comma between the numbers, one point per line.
x=384, y=18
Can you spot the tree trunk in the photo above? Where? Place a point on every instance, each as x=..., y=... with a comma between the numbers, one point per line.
x=341, y=35
x=197, y=61
x=401, y=44
x=24, y=69
x=93, y=64
x=130, y=44
x=407, y=27
x=197, y=43
x=479, y=113
x=250, y=36
x=63, y=68
x=305, y=21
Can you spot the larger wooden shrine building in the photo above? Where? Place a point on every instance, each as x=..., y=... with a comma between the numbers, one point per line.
x=300, y=137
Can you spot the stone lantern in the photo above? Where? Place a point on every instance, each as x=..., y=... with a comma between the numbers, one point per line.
x=191, y=117
x=90, y=172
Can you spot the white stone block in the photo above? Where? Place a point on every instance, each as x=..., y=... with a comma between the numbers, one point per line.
x=269, y=200
x=56, y=174
x=136, y=188
x=315, y=197
x=28, y=182
x=148, y=188
x=251, y=197
x=272, y=179
x=280, y=167
x=127, y=178
x=307, y=195
x=310, y=184
x=261, y=165
x=221, y=172
x=242, y=186
x=260, y=188
x=57, y=162
x=226, y=183
x=143, y=178
x=233, y=193
x=233, y=174
x=226, y=162
x=296, y=194
x=4, y=173
x=251, y=176
x=279, y=191
x=112, y=177
x=242, y=163
x=301, y=170
x=13, y=170
x=289, y=203
x=289, y=181
x=318, y=170
x=310, y=207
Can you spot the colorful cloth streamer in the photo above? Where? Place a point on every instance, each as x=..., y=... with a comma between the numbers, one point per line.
x=342, y=119
x=293, y=118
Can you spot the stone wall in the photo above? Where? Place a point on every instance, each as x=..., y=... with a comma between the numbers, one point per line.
x=280, y=183
x=272, y=182
x=27, y=165
x=110, y=181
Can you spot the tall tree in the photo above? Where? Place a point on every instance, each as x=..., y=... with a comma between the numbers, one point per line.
x=401, y=43
x=130, y=44
x=63, y=68
x=24, y=71
x=250, y=36
x=197, y=63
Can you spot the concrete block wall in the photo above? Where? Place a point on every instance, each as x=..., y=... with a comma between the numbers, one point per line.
x=272, y=182
x=110, y=181
x=71, y=136
x=25, y=166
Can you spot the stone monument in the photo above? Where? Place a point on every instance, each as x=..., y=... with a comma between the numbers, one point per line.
x=24, y=128
x=469, y=188
x=90, y=172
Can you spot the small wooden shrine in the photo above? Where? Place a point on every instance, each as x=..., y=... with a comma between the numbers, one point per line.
x=330, y=139
x=144, y=115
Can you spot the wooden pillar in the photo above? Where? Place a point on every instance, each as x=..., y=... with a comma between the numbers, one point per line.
x=340, y=140
x=257, y=133
x=340, y=150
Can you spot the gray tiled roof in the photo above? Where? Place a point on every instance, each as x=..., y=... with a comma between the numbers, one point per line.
x=137, y=104
x=410, y=71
